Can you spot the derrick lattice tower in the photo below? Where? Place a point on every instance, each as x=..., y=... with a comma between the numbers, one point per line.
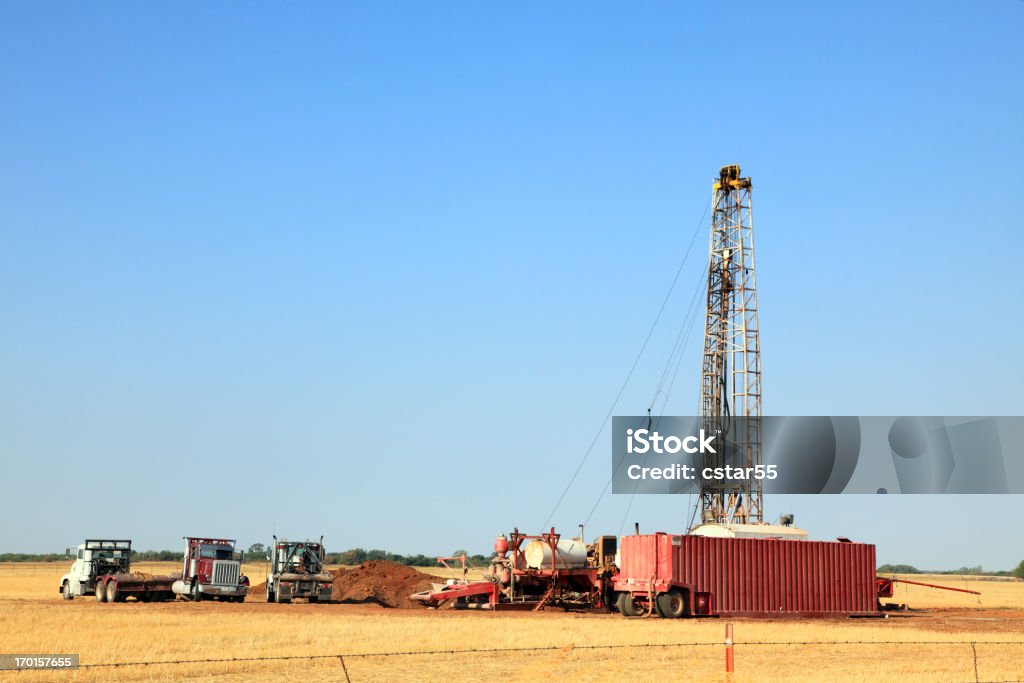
x=731, y=366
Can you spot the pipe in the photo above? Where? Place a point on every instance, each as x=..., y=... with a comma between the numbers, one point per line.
x=932, y=585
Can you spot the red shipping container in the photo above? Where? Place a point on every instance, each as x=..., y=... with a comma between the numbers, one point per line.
x=754, y=577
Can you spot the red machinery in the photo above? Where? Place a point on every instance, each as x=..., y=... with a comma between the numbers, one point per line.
x=885, y=587
x=532, y=572
x=677, y=575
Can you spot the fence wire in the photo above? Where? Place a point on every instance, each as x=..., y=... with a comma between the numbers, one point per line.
x=341, y=657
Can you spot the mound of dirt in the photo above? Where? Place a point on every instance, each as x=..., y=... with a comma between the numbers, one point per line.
x=388, y=584
x=257, y=593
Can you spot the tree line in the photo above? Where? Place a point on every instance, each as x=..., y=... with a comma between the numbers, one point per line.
x=70, y=554
x=355, y=556
x=1018, y=571
x=257, y=552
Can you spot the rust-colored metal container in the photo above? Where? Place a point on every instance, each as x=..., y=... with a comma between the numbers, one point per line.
x=743, y=576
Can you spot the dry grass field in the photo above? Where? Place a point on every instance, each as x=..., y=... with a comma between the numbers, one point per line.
x=33, y=618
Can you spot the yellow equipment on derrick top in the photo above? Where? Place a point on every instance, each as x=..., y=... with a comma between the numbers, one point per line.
x=729, y=179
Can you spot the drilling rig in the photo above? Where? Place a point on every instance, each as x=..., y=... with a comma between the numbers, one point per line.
x=730, y=402
x=732, y=563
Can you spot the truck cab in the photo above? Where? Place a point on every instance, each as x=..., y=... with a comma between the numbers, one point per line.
x=297, y=571
x=96, y=558
x=212, y=568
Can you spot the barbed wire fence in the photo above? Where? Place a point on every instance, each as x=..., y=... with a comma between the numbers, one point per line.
x=728, y=644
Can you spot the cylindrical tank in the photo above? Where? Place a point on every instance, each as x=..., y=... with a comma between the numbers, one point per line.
x=571, y=554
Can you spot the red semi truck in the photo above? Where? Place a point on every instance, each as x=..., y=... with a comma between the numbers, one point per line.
x=212, y=568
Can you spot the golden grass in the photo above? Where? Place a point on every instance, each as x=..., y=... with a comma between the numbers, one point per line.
x=994, y=594
x=34, y=619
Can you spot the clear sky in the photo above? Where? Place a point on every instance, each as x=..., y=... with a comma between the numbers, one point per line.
x=378, y=270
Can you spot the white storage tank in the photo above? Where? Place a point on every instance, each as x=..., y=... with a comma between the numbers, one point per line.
x=571, y=553
x=781, y=533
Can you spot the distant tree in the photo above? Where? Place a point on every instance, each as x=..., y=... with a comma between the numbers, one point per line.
x=257, y=549
x=966, y=569
x=27, y=557
x=456, y=553
x=351, y=557
x=898, y=569
x=1019, y=570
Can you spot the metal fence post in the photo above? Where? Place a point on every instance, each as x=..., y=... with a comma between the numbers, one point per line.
x=730, y=664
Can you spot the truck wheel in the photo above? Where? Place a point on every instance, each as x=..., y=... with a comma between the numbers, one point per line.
x=270, y=595
x=629, y=606
x=101, y=592
x=65, y=590
x=671, y=605
x=197, y=595
x=313, y=599
x=113, y=595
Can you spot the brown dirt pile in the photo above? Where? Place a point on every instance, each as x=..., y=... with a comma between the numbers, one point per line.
x=380, y=582
x=257, y=593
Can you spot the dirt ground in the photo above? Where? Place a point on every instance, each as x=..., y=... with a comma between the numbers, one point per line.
x=967, y=620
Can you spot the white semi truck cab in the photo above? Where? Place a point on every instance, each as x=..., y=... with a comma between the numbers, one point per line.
x=96, y=558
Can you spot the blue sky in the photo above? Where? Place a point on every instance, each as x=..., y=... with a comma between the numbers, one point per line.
x=378, y=270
